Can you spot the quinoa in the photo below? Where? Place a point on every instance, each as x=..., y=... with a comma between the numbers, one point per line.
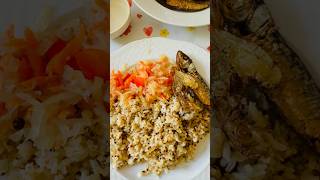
x=162, y=133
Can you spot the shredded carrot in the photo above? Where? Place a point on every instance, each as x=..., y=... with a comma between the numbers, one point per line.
x=151, y=79
x=24, y=70
x=41, y=82
x=57, y=63
x=30, y=38
x=93, y=62
x=54, y=49
x=36, y=62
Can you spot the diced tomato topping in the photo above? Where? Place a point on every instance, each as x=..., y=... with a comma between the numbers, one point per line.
x=128, y=81
x=54, y=49
x=139, y=81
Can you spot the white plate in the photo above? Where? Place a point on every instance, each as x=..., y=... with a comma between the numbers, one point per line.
x=163, y=14
x=152, y=48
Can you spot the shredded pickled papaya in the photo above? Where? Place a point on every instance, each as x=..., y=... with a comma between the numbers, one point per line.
x=57, y=63
x=151, y=79
x=32, y=64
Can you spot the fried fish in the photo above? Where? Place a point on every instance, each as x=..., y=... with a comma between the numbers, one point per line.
x=188, y=85
x=185, y=5
x=265, y=101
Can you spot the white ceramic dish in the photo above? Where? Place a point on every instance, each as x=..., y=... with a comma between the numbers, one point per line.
x=152, y=48
x=119, y=17
x=165, y=15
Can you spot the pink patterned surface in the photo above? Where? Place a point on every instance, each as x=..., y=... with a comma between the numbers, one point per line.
x=143, y=26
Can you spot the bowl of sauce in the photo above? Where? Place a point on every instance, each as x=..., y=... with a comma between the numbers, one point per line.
x=119, y=17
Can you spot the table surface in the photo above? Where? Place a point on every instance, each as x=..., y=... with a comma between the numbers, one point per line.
x=143, y=26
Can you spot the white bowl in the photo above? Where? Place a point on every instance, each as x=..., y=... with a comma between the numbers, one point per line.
x=119, y=17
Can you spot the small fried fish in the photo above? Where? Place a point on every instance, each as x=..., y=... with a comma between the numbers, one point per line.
x=188, y=85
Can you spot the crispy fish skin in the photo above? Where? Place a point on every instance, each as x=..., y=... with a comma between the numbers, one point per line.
x=185, y=5
x=295, y=93
x=257, y=70
x=187, y=74
x=250, y=121
x=186, y=96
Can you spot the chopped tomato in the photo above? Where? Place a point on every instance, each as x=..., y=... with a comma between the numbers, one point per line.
x=149, y=71
x=54, y=49
x=126, y=76
x=93, y=62
x=139, y=81
x=125, y=80
x=118, y=78
x=169, y=81
x=128, y=81
x=154, y=79
x=119, y=83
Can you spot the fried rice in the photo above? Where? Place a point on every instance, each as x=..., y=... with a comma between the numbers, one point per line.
x=160, y=132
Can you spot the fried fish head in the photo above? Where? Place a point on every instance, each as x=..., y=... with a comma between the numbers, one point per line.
x=184, y=63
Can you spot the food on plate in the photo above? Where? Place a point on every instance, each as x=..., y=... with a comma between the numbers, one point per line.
x=266, y=103
x=188, y=84
x=150, y=122
x=185, y=5
x=53, y=102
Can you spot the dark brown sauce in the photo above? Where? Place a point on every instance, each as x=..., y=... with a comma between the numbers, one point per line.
x=185, y=5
